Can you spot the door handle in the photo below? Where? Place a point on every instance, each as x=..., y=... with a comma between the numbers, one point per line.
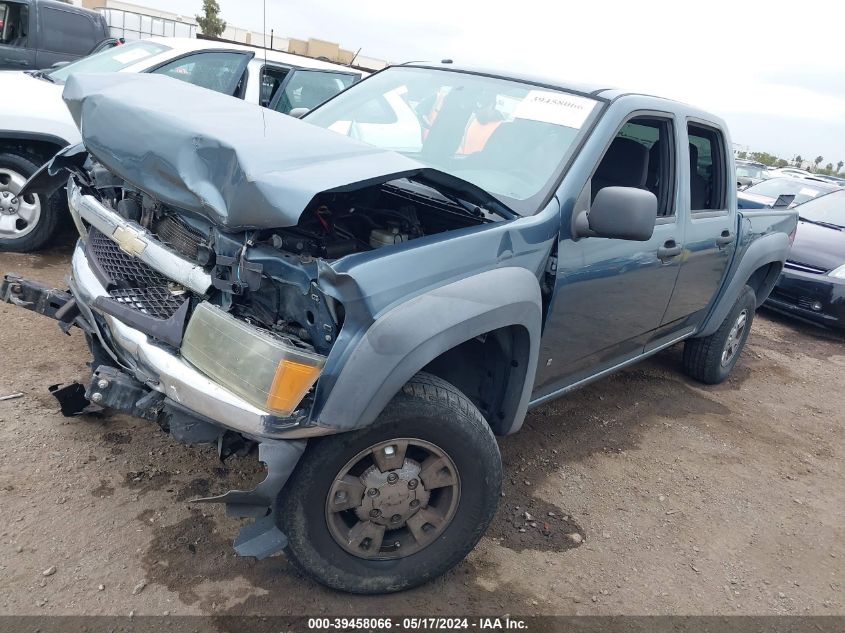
x=725, y=238
x=669, y=250
x=15, y=62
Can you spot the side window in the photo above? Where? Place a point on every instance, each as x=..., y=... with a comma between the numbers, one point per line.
x=641, y=156
x=14, y=19
x=310, y=88
x=218, y=71
x=707, y=168
x=271, y=80
x=67, y=32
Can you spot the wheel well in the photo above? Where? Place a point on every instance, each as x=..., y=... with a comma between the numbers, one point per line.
x=763, y=280
x=490, y=370
x=36, y=150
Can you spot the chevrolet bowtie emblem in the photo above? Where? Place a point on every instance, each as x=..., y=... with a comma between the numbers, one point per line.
x=129, y=241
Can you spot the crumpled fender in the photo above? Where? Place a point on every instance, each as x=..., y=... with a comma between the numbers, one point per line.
x=406, y=338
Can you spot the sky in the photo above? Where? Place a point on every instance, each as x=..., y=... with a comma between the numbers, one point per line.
x=775, y=71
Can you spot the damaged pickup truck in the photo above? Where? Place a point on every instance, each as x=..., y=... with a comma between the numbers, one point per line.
x=373, y=293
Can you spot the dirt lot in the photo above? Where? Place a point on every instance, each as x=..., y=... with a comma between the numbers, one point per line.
x=690, y=499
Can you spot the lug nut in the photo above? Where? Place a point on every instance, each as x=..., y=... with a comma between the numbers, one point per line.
x=413, y=484
x=414, y=503
x=372, y=492
x=96, y=397
x=396, y=518
x=375, y=513
x=392, y=478
x=103, y=384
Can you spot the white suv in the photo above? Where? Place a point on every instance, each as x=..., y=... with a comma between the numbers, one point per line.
x=35, y=124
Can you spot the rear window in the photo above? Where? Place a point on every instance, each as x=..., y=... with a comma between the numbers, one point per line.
x=310, y=88
x=110, y=60
x=803, y=190
x=829, y=209
x=707, y=168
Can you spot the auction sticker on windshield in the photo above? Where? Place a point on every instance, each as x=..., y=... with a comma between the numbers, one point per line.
x=557, y=108
x=134, y=55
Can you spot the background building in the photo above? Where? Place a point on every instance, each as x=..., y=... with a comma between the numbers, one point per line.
x=134, y=21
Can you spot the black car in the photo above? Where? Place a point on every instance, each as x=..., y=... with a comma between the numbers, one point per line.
x=812, y=285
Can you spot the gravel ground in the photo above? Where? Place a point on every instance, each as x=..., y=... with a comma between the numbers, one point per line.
x=685, y=499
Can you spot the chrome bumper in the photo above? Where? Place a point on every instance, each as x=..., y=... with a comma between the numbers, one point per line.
x=171, y=376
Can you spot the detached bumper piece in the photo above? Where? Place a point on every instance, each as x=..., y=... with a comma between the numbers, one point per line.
x=34, y=296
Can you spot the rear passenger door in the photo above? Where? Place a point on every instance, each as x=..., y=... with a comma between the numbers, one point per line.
x=612, y=293
x=710, y=224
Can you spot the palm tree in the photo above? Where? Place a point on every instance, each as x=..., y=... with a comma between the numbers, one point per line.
x=818, y=161
x=829, y=168
x=839, y=166
x=798, y=161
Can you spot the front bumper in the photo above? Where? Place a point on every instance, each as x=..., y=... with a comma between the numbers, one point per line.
x=166, y=373
x=811, y=297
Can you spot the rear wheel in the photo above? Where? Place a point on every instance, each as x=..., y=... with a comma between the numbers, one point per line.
x=398, y=503
x=26, y=222
x=712, y=358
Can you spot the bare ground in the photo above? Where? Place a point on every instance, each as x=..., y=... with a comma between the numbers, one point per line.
x=689, y=499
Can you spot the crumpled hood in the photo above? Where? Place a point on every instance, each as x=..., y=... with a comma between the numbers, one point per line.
x=239, y=165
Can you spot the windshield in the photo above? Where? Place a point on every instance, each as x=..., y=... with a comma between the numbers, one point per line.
x=749, y=171
x=828, y=209
x=803, y=190
x=507, y=137
x=110, y=60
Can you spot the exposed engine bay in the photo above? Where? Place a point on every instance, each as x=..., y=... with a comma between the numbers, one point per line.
x=269, y=277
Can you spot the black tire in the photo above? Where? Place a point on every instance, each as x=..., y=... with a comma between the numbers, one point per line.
x=429, y=409
x=703, y=357
x=52, y=208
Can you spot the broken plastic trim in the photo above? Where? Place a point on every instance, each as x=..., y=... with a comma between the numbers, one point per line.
x=262, y=538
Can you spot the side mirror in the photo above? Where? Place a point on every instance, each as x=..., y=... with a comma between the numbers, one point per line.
x=298, y=113
x=783, y=201
x=623, y=213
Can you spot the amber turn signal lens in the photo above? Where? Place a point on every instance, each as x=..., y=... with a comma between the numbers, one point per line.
x=290, y=384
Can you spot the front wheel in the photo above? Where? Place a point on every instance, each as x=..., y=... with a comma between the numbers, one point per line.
x=712, y=358
x=398, y=503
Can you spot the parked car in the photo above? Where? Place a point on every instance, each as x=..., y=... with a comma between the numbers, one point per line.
x=40, y=33
x=790, y=172
x=812, y=285
x=782, y=192
x=36, y=124
x=836, y=180
x=373, y=318
x=750, y=173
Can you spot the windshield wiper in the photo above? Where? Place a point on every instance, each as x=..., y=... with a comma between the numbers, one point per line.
x=828, y=225
x=40, y=74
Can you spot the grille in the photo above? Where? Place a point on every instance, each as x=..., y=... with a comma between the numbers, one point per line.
x=805, y=268
x=154, y=301
x=140, y=287
x=179, y=236
x=120, y=266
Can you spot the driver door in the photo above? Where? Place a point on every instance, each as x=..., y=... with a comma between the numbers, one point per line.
x=612, y=293
x=17, y=42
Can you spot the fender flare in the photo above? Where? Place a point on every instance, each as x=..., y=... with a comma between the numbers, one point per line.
x=408, y=337
x=765, y=250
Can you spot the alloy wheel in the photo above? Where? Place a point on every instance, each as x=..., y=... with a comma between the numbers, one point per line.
x=393, y=499
x=18, y=214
